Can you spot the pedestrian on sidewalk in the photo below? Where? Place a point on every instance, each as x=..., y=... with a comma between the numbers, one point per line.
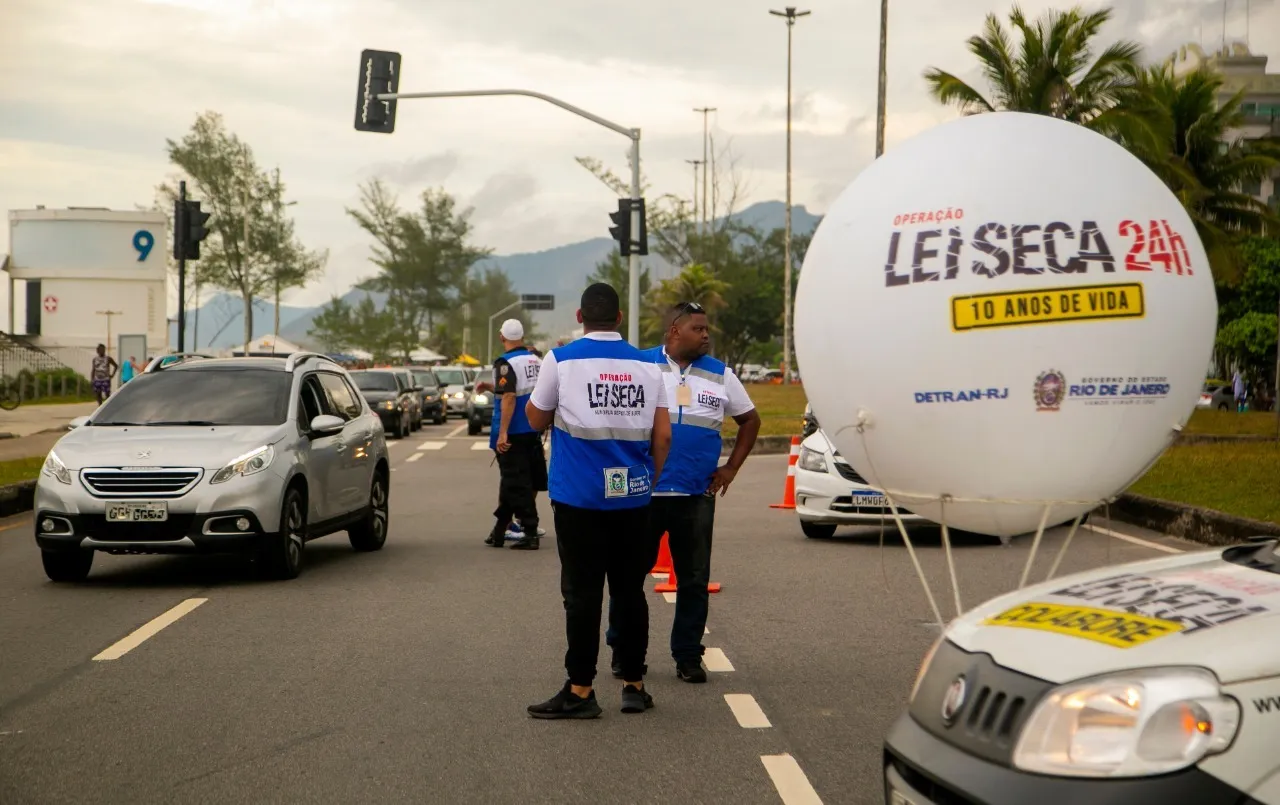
x=129, y=369
x=522, y=464
x=703, y=391
x=102, y=371
x=611, y=433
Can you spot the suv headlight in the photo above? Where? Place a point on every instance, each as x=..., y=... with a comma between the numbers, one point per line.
x=481, y=399
x=54, y=468
x=812, y=460
x=254, y=461
x=390, y=405
x=1132, y=724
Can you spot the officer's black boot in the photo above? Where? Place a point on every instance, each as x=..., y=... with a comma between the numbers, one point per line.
x=529, y=542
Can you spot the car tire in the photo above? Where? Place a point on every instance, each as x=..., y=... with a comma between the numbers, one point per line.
x=67, y=566
x=371, y=533
x=817, y=530
x=474, y=428
x=402, y=428
x=281, y=557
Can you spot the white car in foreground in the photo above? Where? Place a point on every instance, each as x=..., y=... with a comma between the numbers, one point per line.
x=830, y=493
x=1152, y=682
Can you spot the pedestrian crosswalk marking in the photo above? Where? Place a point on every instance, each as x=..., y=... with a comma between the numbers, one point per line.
x=716, y=662
x=414, y=457
x=433, y=445
x=480, y=446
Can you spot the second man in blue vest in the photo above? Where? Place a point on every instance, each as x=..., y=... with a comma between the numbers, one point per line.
x=521, y=462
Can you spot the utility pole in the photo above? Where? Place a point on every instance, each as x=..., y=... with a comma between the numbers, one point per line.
x=109, y=314
x=279, y=255
x=695, y=163
x=883, y=76
x=244, y=273
x=705, y=132
x=791, y=15
x=179, y=247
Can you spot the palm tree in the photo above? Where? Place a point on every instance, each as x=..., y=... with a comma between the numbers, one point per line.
x=696, y=283
x=1051, y=72
x=1199, y=161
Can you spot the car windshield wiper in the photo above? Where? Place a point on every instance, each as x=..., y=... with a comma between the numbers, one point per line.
x=115, y=424
x=181, y=422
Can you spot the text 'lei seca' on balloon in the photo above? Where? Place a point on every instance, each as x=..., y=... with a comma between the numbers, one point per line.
x=1004, y=313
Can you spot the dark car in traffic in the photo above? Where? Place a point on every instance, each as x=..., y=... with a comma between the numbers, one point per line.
x=389, y=397
x=433, y=403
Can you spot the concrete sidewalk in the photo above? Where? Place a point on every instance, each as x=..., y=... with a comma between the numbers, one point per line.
x=28, y=419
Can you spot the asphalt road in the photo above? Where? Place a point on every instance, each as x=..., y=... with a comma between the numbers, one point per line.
x=403, y=675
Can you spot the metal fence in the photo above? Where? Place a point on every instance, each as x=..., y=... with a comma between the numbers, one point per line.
x=49, y=374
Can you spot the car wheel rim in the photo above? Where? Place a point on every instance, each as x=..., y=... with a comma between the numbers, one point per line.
x=294, y=526
x=379, y=504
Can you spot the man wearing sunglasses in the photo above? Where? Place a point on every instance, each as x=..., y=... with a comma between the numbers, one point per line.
x=701, y=391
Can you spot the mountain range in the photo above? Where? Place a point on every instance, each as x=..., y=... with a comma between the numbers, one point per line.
x=561, y=271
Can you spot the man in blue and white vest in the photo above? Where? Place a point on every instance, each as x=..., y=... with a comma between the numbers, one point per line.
x=607, y=403
x=522, y=465
x=702, y=391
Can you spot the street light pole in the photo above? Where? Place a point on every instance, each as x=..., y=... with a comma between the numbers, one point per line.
x=791, y=15
x=109, y=314
x=695, y=163
x=633, y=264
x=489, y=351
x=880, y=93
x=705, y=132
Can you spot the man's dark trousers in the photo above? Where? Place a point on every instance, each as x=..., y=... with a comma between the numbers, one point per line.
x=596, y=545
x=523, y=473
x=688, y=521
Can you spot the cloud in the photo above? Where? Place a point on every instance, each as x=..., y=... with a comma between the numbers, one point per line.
x=503, y=192
x=416, y=171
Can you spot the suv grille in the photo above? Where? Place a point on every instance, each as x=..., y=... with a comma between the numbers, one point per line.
x=157, y=483
x=848, y=472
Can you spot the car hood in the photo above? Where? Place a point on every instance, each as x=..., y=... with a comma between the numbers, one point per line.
x=207, y=447
x=1193, y=609
x=451, y=390
x=379, y=396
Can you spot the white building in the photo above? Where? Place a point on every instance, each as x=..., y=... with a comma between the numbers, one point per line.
x=81, y=277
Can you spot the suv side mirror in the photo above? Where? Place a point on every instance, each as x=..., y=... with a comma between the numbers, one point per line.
x=326, y=424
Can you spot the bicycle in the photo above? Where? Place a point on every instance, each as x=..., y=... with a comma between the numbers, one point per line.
x=10, y=395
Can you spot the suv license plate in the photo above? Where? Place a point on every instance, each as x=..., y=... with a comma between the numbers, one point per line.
x=869, y=499
x=137, y=512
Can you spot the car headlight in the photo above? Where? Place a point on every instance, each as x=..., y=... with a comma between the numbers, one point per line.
x=390, y=405
x=431, y=398
x=812, y=460
x=458, y=395
x=1132, y=724
x=54, y=468
x=480, y=399
x=254, y=461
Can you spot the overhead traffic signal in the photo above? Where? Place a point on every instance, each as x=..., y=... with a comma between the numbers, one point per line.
x=188, y=229
x=629, y=242
x=379, y=74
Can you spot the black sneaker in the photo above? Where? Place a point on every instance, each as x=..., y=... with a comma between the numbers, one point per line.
x=525, y=544
x=635, y=700
x=567, y=704
x=494, y=540
x=616, y=667
x=691, y=671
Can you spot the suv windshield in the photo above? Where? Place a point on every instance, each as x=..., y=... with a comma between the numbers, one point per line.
x=375, y=381
x=426, y=379
x=452, y=377
x=201, y=396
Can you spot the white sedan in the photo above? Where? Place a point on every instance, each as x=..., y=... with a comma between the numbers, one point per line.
x=830, y=493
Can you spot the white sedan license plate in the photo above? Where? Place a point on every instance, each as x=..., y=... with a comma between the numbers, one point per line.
x=873, y=500
x=137, y=512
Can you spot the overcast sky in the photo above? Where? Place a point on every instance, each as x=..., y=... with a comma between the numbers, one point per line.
x=90, y=89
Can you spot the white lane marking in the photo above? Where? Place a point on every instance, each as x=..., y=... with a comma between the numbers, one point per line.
x=413, y=457
x=716, y=662
x=1155, y=546
x=793, y=787
x=456, y=431
x=747, y=710
x=671, y=597
x=149, y=629
x=391, y=444
x=480, y=446
x=433, y=445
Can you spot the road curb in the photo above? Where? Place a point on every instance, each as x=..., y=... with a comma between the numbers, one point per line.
x=1194, y=523
x=17, y=498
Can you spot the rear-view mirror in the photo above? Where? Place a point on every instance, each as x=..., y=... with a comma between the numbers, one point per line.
x=326, y=423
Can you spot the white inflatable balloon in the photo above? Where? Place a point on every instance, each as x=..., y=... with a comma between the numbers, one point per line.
x=1017, y=311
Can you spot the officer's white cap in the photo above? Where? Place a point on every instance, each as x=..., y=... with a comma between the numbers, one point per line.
x=512, y=330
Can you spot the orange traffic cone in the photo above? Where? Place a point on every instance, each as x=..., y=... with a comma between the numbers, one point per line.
x=789, y=490
x=663, y=565
x=671, y=585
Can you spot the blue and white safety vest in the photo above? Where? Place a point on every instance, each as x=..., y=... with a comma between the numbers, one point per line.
x=695, y=428
x=605, y=395
x=522, y=377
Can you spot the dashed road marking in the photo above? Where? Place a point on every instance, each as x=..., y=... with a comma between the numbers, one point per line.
x=747, y=711
x=1155, y=546
x=413, y=457
x=433, y=445
x=480, y=446
x=456, y=431
x=793, y=787
x=716, y=662
x=149, y=629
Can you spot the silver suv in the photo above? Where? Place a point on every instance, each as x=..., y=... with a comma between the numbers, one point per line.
x=217, y=455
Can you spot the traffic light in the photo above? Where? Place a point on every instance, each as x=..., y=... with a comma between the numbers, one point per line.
x=621, y=229
x=188, y=229
x=379, y=74
x=629, y=242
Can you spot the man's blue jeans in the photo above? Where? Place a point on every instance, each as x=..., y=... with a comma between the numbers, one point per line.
x=688, y=521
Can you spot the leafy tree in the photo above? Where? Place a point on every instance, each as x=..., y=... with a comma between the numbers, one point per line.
x=339, y=327
x=1051, y=71
x=1250, y=341
x=695, y=284
x=292, y=266
x=482, y=298
x=222, y=173
x=422, y=257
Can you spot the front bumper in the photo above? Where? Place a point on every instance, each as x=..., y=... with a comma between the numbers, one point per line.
x=202, y=519
x=432, y=409
x=920, y=769
x=457, y=406
x=828, y=498
x=482, y=413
